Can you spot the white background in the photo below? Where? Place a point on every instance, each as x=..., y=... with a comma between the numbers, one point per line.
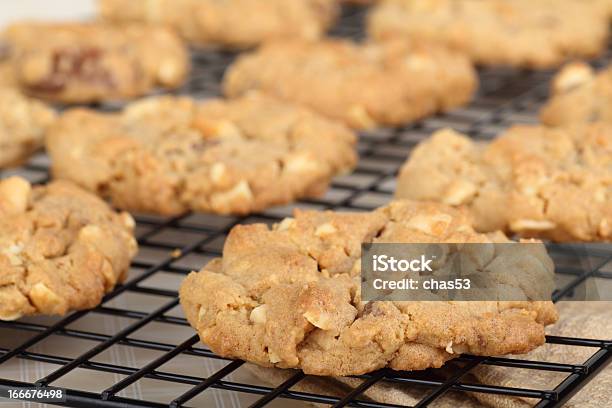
x=11, y=10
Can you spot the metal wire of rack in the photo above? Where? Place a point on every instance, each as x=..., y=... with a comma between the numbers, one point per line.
x=506, y=97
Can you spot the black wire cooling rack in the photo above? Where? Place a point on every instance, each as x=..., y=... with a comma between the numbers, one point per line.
x=172, y=247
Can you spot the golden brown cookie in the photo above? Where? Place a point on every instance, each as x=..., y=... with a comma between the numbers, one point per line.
x=363, y=85
x=169, y=155
x=535, y=34
x=61, y=248
x=23, y=123
x=91, y=62
x=290, y=297
x=532, y=180
x=579, y=95
x=229, y=23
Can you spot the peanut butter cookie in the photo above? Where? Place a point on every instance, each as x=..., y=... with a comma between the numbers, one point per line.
x=229, y=23
x=290, y=297
x=168, y=155
x=535, y=181
x=363, y=85
x=579, y=95
x=91, y=62
x=23, y=123
x=534, y=34
x=61, y=248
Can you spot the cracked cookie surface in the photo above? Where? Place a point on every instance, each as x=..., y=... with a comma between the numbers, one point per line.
x=554, y=183
x=23, y=123
x=61, y=248
x=169, y=155
x=579, y=95
x=229, y=23
x=535, y=34
x=363, y=85
x=289, y=297
x=92, y=62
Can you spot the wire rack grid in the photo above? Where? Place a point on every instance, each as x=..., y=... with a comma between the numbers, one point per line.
x=172, y=247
